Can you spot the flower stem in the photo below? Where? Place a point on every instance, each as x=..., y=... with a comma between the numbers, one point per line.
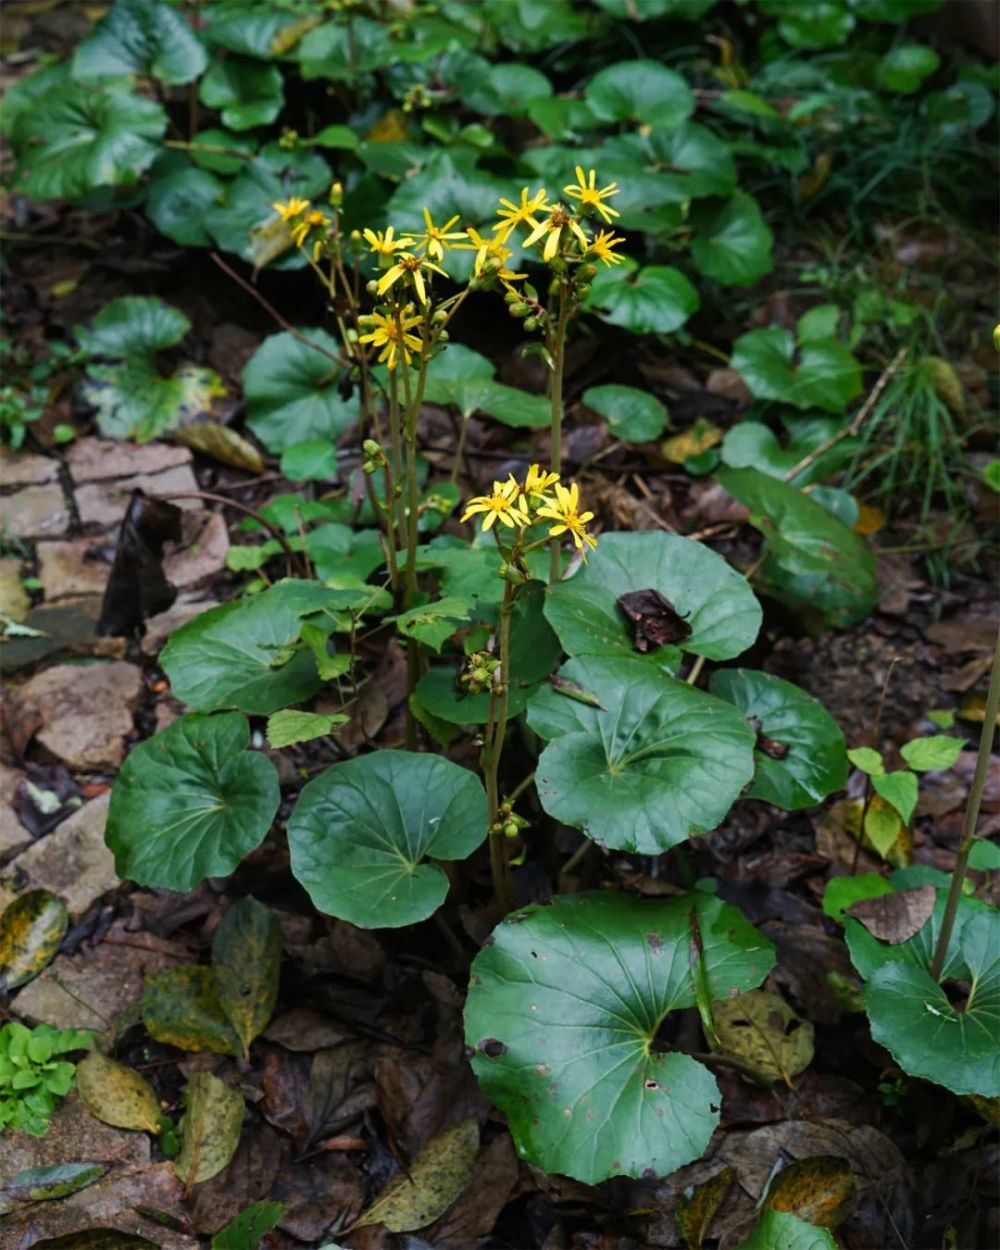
x=971, y=816
x=558, y=352
x=496, y=731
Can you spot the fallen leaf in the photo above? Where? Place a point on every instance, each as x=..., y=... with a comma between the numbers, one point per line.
x=117, y=1095
x=246, y=959
x=694, y=1215
x=655, y=621
x=439, y=1175
x=895, y=918
x=759, y=1028
x=55, y=1181
x=137, y=586
x=31, y=929
x=699, y=437
x=97, y=1239
x=871, y=520
x=818, y=1190
x=210, y=1128
x=181, y=1007
x=245, y=1231
x=221, y=443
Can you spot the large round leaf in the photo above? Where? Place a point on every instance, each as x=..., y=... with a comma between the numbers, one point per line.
x=632, y=415
x=753, y=445
x=141, y=37
x=825, y=374
x=133, y=326
x=928, y=1036
x=361, y=830
x=246, y=92
x=815, y=560
x=190, y=803
x=654, y=300
x=713, y=599
x=639, y=761
x=563, y=1013
x=698, y=159
x=732, y=241
x=291, y=391
x=463, y=378
x=178, y=198
x=642, y=91
x=800, y=755
x=243, y=655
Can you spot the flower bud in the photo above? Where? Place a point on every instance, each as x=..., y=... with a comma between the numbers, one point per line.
x=512, y=297
x=443, y=336
x=337, y=195
x=439, y=317
x=520, y=309
x=372, y=287
x=532, y=323
x=371, y=448
x=510, y=829
x=587, y=272
x=583, y=291
x=513, y=575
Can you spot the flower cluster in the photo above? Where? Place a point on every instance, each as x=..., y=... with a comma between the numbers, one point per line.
x=540, y=497
x=558, y=227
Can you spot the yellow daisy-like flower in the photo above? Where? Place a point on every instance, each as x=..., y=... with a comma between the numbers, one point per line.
x=394, y=336
x=552, y=228
x=301, y=228
x=526, y=212
x=385, y=244
x=504, y=505
x=407, y=263
x=565, y=512
x=490, y=250
x=294, y=207
x=537, y=482
x=436, y=239
x=603, y=245
x=591, y=196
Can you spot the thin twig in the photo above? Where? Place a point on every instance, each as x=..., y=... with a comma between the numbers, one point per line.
x=850, y=430
x=696, y=668
x=273, y=530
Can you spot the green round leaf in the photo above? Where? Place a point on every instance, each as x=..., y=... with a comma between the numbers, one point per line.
x=632, y=415
x=190, y=802
x=291, y=392
x=654, y=763
x=937, y=752
x=704, y=160
x=361, y=830
x=825, y=374
x=732, y=242
x=927, y=1035
x=820, y=24
x=222, y=162
x=136, y=325
x=800, y=753
x=31, y=929
x=654, y=300
x=714, y=600
x=781, y=1230
x=841, y=892
x=73, y=139
x=563, y=1013
x=641, y=91
x=247, y=92
x=144, y=38
x=516, y=86
x=177, y=202
x=464, y=379
x=751, y=444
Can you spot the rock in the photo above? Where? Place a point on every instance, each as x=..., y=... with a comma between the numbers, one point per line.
x=24, y=469
x=102, y=504
x=35, y=512
x=159, y=628
x=67, y=626
x=13, y=835
x=85, y=711
x=70, y=568
x=202, y=551
x=71, y=861
x=98, y=459
x=110, y=977
x=14, y=601
x=74, y=1134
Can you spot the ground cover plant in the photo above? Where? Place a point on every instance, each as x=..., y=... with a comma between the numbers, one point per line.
x=556, y=808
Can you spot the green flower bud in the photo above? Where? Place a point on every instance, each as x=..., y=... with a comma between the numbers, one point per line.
x=520, y=309
x=371, y=448
x=587, y=272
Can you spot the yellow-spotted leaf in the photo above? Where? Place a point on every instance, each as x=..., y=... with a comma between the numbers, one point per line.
x=246, y=958
x=220, y=443
x=694, y=1215
x=818, y=1190
x=210, y=1129
x=699, y=437
x=181, y=1006
x=31, y=929
x=117, y=1095
x=760, y=1029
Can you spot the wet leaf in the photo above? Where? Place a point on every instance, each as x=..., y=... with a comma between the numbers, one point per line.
x=818, y=1190
x=55, y=1181
x=137, y=586
x=117, y=1095
x=210, y=1129
x=31, y=929
x=221, y=443
x=885, y=832
x=900, y=790
x=761, y=1029
x=246, y=960
x=895, y=918
x=246, y=1229
x=290, y=726
x=694, y=1215
x=841, y=892
x=181, y=1007
x=697, y=438
x=438, y=1176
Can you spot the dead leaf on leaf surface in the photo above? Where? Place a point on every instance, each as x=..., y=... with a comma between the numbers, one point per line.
x=473, y=1216
x=31, y=928
x=895, y=918
x=818, y=1190
x=118, y=1095
x=246, y=961
x=181, y=1007
x=760, y=1029
x=655, y=621
x=210, y=1129
x=137, y=587
x=694, y=1215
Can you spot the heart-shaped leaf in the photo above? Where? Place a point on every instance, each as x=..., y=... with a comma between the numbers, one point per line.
x=210, y=1129
x=564, y=1012
x=655, y=300
x=190, y=802
x=780, y=1230
x=116, y=1094
x=713, y=599
x=464, y=379
x=641, y=91
x=178, y=197
x=732, y=241
x=142, y=38
x=246, y=961
x=815, y=559
x=181, y=1007
x=751, y=444
x=700, y=161
x=816, y=374
x=928, y=754
x=361, y=830
x=31, y=929
x=632, y=415
x=292, y=393
x=800, y=752
x=245, y=1231
x=246, y=92
x=656, y=762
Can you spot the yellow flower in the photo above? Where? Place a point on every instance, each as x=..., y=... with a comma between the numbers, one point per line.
x=385, y=244
x=537, y=482
x=590, y=196
x=514, y=214
x=490, y=251
x=552, y=228
x=436, y=239
x=602, y=247
x=565, y=512
x=295, y=207
x=406, y=263
x=393, y=335
x=504, y=505
x=308, y=222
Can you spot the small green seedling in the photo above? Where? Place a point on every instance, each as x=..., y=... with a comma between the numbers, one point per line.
x=33, y=1076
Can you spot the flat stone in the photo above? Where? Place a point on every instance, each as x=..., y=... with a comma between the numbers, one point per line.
x=103, y=504
x=66, y=569
x=85, y=710
x=202, y=551
x=13, y=835
x=14, y=601
x=66, y=627
x=21, y=468
x=71, y=861
x=74, y=1134
x=35, y=512
x=98, y=459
